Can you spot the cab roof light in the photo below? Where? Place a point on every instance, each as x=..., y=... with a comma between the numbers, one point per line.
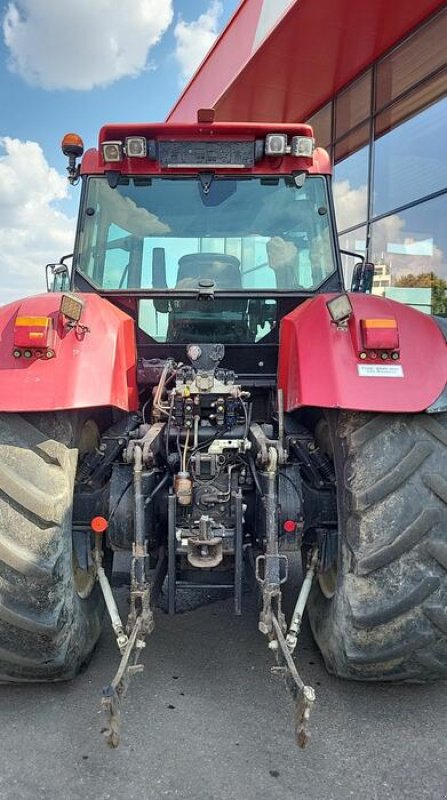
x=276, y=144
x=135, y=146
x=112, y=151
x=302, y=146
x=73, y=147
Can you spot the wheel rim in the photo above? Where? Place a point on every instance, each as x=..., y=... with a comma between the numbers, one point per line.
x=84, y=579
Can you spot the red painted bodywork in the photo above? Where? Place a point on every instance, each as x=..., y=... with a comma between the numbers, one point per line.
x=90, y=369
x=318, y=361
x=314, y=50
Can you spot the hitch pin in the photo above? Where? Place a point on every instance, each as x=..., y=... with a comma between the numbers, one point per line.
x=297, y=616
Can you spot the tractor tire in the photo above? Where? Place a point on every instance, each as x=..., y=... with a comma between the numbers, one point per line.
x=387, y=617
x=49, y=621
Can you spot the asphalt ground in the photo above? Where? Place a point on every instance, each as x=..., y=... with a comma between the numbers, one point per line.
x=208, y=721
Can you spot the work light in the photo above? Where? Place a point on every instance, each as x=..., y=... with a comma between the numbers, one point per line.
x=112, y=151
x=135, y=146
x=276, y=144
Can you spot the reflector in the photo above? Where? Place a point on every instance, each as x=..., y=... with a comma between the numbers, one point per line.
x=99, y=524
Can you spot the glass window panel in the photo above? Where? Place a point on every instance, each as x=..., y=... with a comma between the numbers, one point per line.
x=352, y=142
x=410, y=253
x=411, y=160
x=421, y=98
x=243, y=234
x=351, y=190
x=413, y=60
x=322, y=124
x=354, y=242
x=353, y=105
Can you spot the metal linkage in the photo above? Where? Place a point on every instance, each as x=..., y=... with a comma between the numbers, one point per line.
x=297, y=616
x=115, y=691
x=272, y=620
x=304, y=695
x=140, y=621
x=271, y=579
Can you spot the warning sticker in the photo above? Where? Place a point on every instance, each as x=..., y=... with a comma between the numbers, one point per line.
x=380, y=370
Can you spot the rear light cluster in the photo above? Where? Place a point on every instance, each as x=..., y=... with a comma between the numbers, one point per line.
x=33, y=338
x=380, y=339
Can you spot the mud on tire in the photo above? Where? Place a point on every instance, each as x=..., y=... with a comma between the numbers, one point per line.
x=388, y=617
x=46, y=630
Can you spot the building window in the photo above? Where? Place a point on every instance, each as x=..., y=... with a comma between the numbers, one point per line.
x=322, y=125
x=413, y=60
x=355, y=245
x=409, y=248
x=390, y=175
x=411, y=160
x=351, y=189
x=353, y=105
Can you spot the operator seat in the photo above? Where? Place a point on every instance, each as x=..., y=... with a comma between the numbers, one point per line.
x=208, y=320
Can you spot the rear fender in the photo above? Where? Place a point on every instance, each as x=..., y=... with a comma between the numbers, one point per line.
x=320, y=364
x=94, y=365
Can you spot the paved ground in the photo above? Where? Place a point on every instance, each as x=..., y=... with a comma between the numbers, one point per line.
x=207, y=721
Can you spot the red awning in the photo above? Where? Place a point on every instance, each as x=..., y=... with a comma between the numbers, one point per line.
x=315, y=48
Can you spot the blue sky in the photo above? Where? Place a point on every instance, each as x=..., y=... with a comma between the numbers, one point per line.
x=72, y=67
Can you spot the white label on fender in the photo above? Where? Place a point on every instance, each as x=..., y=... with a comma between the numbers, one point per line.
x=380, y=370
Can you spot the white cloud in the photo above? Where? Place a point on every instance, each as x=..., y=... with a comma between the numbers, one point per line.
x=195, y=38
x=32, y=231
x=80, y=45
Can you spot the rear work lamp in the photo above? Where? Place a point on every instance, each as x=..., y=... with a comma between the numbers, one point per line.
x=135, y=146
x=277, y=144
x=302, y=146
x=340, y=309
x=112, y=151
x=71, y=307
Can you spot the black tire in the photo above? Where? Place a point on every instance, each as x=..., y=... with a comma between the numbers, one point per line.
x=47, y=631
x=387, y=619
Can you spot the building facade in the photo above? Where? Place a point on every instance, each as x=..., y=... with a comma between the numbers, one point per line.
x=372, y=80
x=386, y=132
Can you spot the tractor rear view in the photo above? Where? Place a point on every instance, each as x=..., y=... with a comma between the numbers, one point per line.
x=202, y=392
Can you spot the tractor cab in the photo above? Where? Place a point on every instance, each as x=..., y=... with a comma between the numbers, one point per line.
x=215, y=232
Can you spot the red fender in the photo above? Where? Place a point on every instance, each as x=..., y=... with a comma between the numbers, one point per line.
x=319, y=363
x=92, y=366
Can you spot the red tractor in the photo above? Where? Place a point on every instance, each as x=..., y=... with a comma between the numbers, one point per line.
x=202, y=392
